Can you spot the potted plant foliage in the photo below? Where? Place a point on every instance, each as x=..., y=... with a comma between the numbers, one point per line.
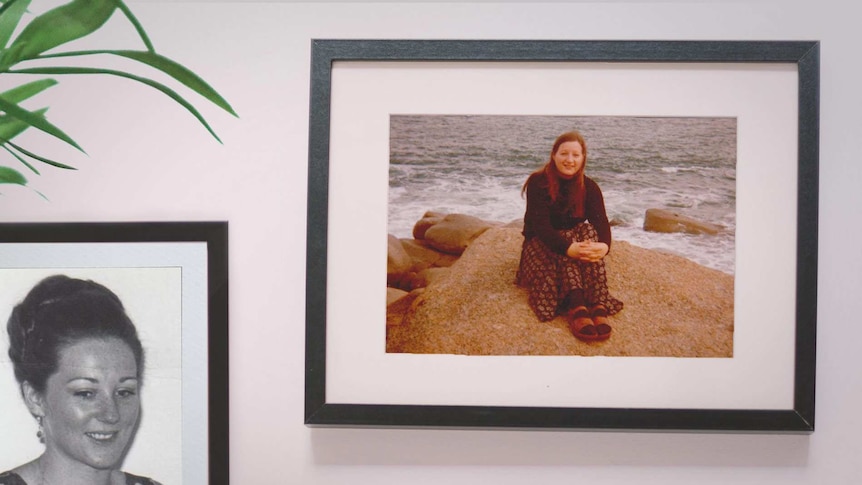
x=33, y=52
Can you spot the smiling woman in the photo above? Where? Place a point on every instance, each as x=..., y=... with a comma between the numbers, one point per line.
x=566, y=237
x=79, y=364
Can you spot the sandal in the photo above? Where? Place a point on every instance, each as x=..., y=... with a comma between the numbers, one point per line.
x=581, y=324
x=599, y=315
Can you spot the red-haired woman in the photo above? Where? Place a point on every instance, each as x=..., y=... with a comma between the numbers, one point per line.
x=566, y=237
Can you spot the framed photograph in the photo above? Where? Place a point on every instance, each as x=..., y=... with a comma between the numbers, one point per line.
x=576, y=234
x=116, y=348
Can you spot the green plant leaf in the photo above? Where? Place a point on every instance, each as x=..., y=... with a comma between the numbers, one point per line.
x=11, y=176
x=41, y=159
x=138, y=27
x=167, y=66
x=20, y=93
x=65, y=23
x=10, y=14
x=35, y=121
x=9, y=56
x=27, y=164
x=149, y=82
x=11, y=127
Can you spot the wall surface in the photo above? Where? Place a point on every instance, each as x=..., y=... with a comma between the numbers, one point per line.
x=147, y=159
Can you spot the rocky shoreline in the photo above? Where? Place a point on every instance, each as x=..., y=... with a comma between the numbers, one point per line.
x=451, y=290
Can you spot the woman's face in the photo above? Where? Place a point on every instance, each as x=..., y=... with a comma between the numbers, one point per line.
x=569, y=158
x=92, y=403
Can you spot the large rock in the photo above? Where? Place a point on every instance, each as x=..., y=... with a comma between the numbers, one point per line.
x=429, y=219
x=428, y=276
x=398, y=307
x=516, y=224
x=393, y=295
x=673, y=307
x=659, y=220
x=425, y=256
x=455, y=232
x=398, y=261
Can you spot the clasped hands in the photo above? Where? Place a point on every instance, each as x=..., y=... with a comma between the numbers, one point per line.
x=589, y=251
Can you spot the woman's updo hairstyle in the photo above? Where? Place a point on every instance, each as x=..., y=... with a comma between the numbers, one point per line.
x=60, y=311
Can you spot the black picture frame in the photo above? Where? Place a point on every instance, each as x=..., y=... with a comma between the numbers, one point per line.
x=800, y=418
x=213, y=304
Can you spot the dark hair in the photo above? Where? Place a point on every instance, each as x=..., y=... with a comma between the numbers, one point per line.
x=577, y=196
x=60, y=311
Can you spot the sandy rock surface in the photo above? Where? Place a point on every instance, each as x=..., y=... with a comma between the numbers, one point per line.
x=673, y=307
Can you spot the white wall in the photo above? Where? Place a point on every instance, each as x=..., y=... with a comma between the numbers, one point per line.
x=148, y=160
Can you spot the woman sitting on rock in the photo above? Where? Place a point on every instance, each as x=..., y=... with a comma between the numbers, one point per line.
x=566, y=237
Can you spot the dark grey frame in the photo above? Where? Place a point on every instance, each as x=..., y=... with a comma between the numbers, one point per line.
x=215, y=235
x=804, y=54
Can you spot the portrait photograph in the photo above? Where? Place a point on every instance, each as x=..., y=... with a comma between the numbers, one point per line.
x=104, y=367
x=465, y=262
x=428, y=169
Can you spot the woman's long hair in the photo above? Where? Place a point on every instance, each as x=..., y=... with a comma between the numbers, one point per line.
x=577, y=196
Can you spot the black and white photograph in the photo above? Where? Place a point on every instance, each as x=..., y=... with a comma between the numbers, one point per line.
x=104, y=368
x=97, y=372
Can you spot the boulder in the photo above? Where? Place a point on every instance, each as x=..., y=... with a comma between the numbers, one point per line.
x=429, y=219
x=393, y=294
x=658, y=220
x=397, y=259
x=516, y=224
x=401, y=281
x=446, y=260
x=428, y=276
x=425, y=256
x=455, y=232
x=396, y=310
x=673, y=307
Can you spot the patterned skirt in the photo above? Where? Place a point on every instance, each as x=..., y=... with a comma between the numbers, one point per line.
x=549, y=277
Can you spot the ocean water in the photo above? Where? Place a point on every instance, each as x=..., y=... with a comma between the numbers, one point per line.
x=477, y=165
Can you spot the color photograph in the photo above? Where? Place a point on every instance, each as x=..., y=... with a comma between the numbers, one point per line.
x=622, y=242
x=592, y=209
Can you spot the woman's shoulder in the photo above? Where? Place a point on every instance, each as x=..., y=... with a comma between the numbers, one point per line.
x=11, y=478
x=591, y=185
x=537, y=180
x=136, y=480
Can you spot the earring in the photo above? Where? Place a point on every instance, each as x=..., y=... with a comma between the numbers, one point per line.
x=40, y=433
